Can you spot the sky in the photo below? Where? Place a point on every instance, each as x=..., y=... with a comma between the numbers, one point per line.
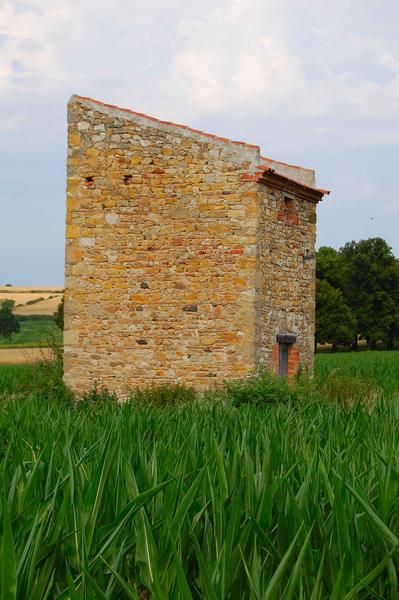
x=313, y=82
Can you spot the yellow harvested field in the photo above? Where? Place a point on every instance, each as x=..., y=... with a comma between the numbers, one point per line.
x=23, y=298
x=44, y=307
x=18, y=356
x=22, y=295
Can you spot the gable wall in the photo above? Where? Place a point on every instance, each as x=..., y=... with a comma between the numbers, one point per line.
x=160, y=256
x=299, y=174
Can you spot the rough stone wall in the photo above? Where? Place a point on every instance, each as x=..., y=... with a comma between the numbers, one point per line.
x=161, y=253
x=285, y=300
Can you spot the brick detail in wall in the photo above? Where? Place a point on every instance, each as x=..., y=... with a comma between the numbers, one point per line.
x=293, y=360
x=287, y=213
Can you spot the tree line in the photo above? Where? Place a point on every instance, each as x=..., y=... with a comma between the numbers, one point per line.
x=357, y=294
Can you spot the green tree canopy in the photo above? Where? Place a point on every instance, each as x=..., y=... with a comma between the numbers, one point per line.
x=335, y=323
x=330, y=266
x=371, y=288
x=8, y=322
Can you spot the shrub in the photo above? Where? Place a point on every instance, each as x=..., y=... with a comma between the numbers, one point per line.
x=8, y=321
x=59, y=314
x=34, y=301
x=39, y=380
x=99, y=395
x=348, y=390
x=261, y=390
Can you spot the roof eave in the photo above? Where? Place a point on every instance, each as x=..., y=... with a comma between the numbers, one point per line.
x=267, y=171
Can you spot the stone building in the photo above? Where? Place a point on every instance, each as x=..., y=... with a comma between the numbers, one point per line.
x=189, y=257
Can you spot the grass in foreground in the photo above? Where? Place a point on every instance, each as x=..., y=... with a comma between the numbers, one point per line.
x=294, y=499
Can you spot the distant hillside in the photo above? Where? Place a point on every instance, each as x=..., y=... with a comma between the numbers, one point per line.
x=33, y=300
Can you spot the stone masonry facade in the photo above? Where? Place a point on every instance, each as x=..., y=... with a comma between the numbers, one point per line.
x=189, y=257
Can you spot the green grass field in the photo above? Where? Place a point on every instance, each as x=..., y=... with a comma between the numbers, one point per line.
x=295, y=498
x=378, y=368
x=35, y=332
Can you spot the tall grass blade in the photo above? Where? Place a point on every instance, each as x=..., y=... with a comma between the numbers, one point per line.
x=124, y=584
x=7, y=559
x=383, y=529
x=272, y=590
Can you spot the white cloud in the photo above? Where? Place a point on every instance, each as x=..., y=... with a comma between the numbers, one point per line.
x=29, y=60
x=267, y=73
x=197, y=73
x=386, y=59
x=190, y=60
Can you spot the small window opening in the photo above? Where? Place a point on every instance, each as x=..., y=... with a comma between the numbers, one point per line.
x=127, y=179
x=89, y=180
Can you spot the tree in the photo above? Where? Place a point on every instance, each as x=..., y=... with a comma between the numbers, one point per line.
x=59, y=315
x=330, y=266
x=8, y=321
x=335, y=323
x=371, y=288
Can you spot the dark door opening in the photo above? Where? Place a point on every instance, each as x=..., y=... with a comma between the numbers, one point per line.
x=285, y=342
x=283, y=360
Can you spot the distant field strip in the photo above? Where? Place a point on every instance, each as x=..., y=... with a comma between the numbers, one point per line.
x=34, y=332
x=20, y=356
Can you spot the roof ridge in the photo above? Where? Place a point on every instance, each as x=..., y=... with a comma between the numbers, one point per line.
x=268, y=159
x=156, y=120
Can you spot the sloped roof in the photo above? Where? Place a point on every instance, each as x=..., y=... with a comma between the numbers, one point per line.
x=299, y=175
